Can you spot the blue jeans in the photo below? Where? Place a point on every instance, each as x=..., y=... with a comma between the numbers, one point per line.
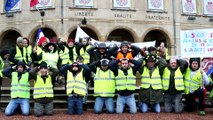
x=75, y=105
x=99, y=103
x=173, y=101
x=14, y=103
x=129, y=100
x=144, y=107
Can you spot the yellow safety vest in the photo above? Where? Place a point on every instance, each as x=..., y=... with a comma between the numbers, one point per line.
x=19, y=56
x=85, y=55
x=192, y=84
x=1, y=66
x=50, y=58
x=178, y=79
x=104, y=83
x=29, y=52
x=41, y=89
x=154, y=81
x=124, y=82
x=64, y=55
x=20, y=88
x=76, y=84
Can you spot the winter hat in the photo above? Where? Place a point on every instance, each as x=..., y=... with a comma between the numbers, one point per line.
x=20, y=63
x=194, y=59
x=150, y=58
x=70, y=40
x=104, y=62
x=43, y=65
x=3, y=52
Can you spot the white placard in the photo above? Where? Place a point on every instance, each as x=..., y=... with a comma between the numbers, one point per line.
x=208, y=7
x=44, y=4
x=196, y=43
x=156, y=5
x=189, y=6
x=84, y=3
x=122, y=3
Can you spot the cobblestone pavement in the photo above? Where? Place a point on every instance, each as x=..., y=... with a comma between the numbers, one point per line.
x=89, y=115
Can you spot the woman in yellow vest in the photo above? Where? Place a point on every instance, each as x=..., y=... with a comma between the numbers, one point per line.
x=67, y=52
x=173, y=84
x=28, y=48
x=20, y=89
x=194, y=80
x=76, y=77
x=104, y=86
x=151, y=94
x=43, y=90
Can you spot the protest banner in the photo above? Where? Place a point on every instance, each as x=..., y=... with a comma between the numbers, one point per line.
x=196, y=43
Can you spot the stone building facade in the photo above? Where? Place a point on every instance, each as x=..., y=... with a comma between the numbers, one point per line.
x=104, y=22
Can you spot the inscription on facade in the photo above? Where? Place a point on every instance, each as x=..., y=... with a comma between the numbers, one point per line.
x=84, y=14
x=157, y=17
x=120, y=15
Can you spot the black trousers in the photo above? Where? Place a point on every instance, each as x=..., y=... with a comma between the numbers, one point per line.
x=190, y=101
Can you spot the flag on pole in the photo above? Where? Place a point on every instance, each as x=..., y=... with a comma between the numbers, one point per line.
x=9, y=4
x=40, y=37
x=33, y=3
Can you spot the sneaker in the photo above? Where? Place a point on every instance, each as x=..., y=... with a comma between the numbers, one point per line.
x=202, y=113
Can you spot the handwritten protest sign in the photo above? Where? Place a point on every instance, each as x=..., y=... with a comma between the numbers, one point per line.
x=197, y=43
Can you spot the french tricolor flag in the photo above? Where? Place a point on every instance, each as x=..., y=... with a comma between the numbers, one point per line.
x=40, y=37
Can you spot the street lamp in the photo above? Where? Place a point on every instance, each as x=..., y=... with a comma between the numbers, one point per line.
x=42, y=13
x=84, y=21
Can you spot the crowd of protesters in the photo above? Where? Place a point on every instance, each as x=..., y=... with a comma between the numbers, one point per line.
x=111, y=71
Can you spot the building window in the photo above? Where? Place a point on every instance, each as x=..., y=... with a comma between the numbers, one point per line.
x=12, y=5
x=45, y=4
x=208, y=8
x=156, y=5
x=84, y=3
x=189, y=7
x=122, y=4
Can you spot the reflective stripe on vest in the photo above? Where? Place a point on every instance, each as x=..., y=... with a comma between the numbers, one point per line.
x=85, y=55
x=154, y=81
x=76, y=84
x=121, y=55
x=178, y=79
x=41, y=89
x=50, y=58
x=20, y=88
x=104, y=83
x=124, y=82
x=192, y=84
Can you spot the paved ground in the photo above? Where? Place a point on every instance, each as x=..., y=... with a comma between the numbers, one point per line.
x=89, y=115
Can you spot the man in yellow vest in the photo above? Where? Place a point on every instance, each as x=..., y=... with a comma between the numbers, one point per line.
x=194, y=80
x=173, y=84
x=43, y=90
x=104, y=86
x=20, y=89
x=18, y=53
x=50, y=56
x=81, y=48
x=151, y=94
x=125, y=84
x=126, y=50
x=76, y=77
